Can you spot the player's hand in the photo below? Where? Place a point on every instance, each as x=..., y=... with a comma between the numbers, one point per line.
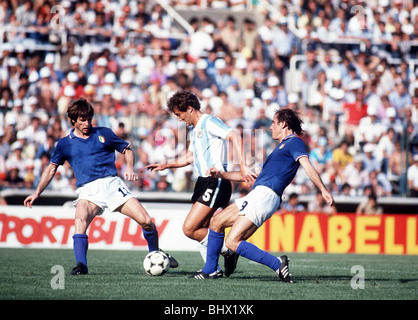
x=30, y=200
x=247, y=174
x=213, y=172
x=156, y=166
x=130, y=175
x=328, y=198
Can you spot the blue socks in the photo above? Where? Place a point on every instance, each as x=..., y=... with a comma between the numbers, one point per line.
x=152, y=239
x=215, y=243
x=250, y=251
x=245, y=249
x=80, y=246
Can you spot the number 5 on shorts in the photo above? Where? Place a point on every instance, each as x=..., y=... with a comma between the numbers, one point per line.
x=206, y=196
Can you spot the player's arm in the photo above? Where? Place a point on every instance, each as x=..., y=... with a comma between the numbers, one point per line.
x=232, y=175
x=129, y=173
x=246, y=174
x=46, y=178
x=182, y=161
x=316, y=179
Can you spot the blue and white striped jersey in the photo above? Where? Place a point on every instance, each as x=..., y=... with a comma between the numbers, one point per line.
x=208, y=144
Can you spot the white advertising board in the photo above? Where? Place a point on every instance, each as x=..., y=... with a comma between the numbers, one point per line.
x=53, y=227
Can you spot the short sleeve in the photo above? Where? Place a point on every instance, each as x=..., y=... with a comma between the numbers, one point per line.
x=58, y=157
x=298, y=149
x=218, y=128
x=117, y=143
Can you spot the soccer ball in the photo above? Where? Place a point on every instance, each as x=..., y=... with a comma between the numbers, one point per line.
x=156, y=263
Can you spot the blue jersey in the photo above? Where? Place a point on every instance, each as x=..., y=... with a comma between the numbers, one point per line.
x=282, y=164
x=90, y=158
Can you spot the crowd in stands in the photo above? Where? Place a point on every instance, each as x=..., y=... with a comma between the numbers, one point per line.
x=358, y=92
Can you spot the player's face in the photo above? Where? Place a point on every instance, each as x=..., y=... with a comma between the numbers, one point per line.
x=276, y=129
x=83, y=126
x=184, y=116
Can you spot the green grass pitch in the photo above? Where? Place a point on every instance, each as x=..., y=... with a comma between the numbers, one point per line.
x=25, y=274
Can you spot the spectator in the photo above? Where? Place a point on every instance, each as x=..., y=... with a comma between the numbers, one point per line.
x=354, y=174
x=369, y=161
x=399, y=98
x=385, y=147
x=412, y=175
x=355, y=112
x=370, y=128
x=230, y=35
x=16, y=160
x=292, y=205
x=284, y=42
x=14, y=179
x=341, y=157
x=35, y=133
x=29, y=178
x=266, y=33
x=223, y=78
x=395, y=166
x=347, y=190
x=309, y=71
x=249, y=39
x=200, y=41
x=318, y=205
x=321, y=156
x=359, y=94
x=201, y=80
x=25, y=14
x=61, y=182
x=369, y=207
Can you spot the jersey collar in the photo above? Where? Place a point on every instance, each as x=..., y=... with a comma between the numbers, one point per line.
x=289, y=136
x=72, y=135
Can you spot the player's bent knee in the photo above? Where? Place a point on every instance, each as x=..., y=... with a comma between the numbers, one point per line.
x=217, y=224
x=231, y=243
x=147, y=224
x=189, y=231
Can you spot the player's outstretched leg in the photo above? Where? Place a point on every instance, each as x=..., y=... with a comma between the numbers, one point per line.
x=152, y=241
x=279, y=264
x=134, y=209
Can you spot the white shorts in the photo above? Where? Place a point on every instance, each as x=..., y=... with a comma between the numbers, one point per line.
x=258, y=205
x=109, y=192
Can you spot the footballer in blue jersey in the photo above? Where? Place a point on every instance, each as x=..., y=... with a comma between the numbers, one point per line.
x=91, y=153
x=208, y=148
x=247, y=214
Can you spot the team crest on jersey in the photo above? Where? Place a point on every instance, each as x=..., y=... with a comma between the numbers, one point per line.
x=199, y=133
x=282, y=146
x=102, y=139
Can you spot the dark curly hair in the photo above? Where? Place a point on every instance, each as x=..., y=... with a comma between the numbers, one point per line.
x=79, y=108
x=183, y=99
x=291, y=118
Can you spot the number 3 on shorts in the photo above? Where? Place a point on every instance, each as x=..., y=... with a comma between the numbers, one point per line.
x=206, y=196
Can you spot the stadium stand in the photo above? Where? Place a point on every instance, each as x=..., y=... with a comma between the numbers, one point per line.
x=349, y=66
